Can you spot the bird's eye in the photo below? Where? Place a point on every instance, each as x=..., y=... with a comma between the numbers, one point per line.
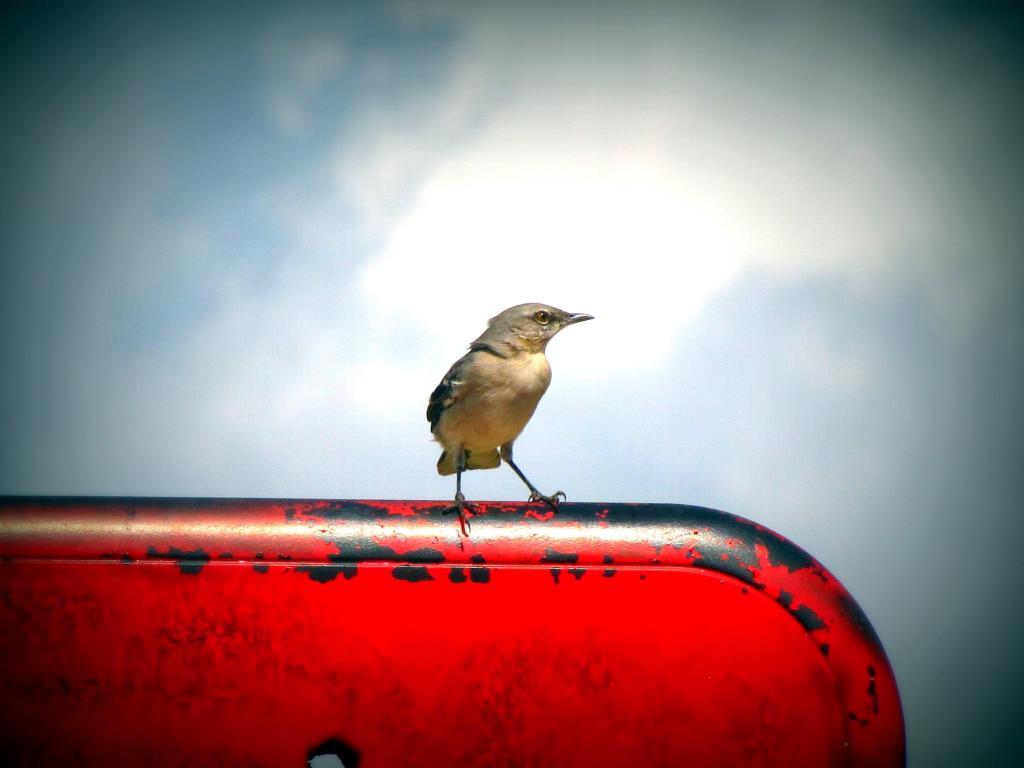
x=542, y=317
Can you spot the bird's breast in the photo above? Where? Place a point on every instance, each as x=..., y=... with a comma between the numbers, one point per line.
x=529, y=374
x=512, y=387
x=501, y=398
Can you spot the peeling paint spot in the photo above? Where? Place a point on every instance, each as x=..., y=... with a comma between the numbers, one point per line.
x=555, y=574
x=411, y=573
x=424, y=555
x=457, y=575
x=480, y=575
x=261, y=568
x=360, y=552
x=348, y=510
x=190, y=562
x=736, y=565
x=325, y=573
x=552, y=555
x=807, y=616
x=785, y=553
x=577, y=573
x=872, y=689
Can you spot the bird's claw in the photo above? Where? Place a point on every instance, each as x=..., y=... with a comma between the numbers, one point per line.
x=460, y=506
x=551, y=501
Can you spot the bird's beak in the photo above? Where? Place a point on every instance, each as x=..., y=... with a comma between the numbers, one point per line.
x=577, y=318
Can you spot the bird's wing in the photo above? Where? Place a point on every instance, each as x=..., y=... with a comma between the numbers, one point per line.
x=447, y=392
x=454, y=384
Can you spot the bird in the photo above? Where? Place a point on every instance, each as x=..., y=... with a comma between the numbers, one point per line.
x=489, y=394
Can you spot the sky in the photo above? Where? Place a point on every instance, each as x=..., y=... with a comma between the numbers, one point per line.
x=240, y=245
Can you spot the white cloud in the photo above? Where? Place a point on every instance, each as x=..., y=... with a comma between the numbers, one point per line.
x=634, y=178
x=300, y=62
x=611, y=169
x=593, y=229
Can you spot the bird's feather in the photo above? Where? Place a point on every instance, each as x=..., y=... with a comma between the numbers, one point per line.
x=446, y=393
x=474, y=460
x=452, y=387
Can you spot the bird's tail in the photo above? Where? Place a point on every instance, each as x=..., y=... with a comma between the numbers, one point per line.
x=474, y=460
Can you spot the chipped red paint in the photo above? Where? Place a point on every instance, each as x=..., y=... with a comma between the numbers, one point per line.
x=198, y=631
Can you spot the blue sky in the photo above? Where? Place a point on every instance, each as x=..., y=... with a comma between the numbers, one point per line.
x=240, y=247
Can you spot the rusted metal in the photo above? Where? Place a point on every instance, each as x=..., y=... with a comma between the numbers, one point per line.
x=257, y=632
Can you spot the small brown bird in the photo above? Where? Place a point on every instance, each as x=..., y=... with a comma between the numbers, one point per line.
x=489, y=394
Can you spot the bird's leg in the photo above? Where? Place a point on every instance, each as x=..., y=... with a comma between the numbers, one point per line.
x=535, y=495
x=460, y=505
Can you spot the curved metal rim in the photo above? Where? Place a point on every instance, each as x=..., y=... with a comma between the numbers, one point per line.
x=325, y=538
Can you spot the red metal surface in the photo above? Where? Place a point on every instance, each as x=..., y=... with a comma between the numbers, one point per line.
x=247, y=632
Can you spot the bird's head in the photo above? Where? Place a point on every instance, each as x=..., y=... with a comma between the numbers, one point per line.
x=530, y=326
